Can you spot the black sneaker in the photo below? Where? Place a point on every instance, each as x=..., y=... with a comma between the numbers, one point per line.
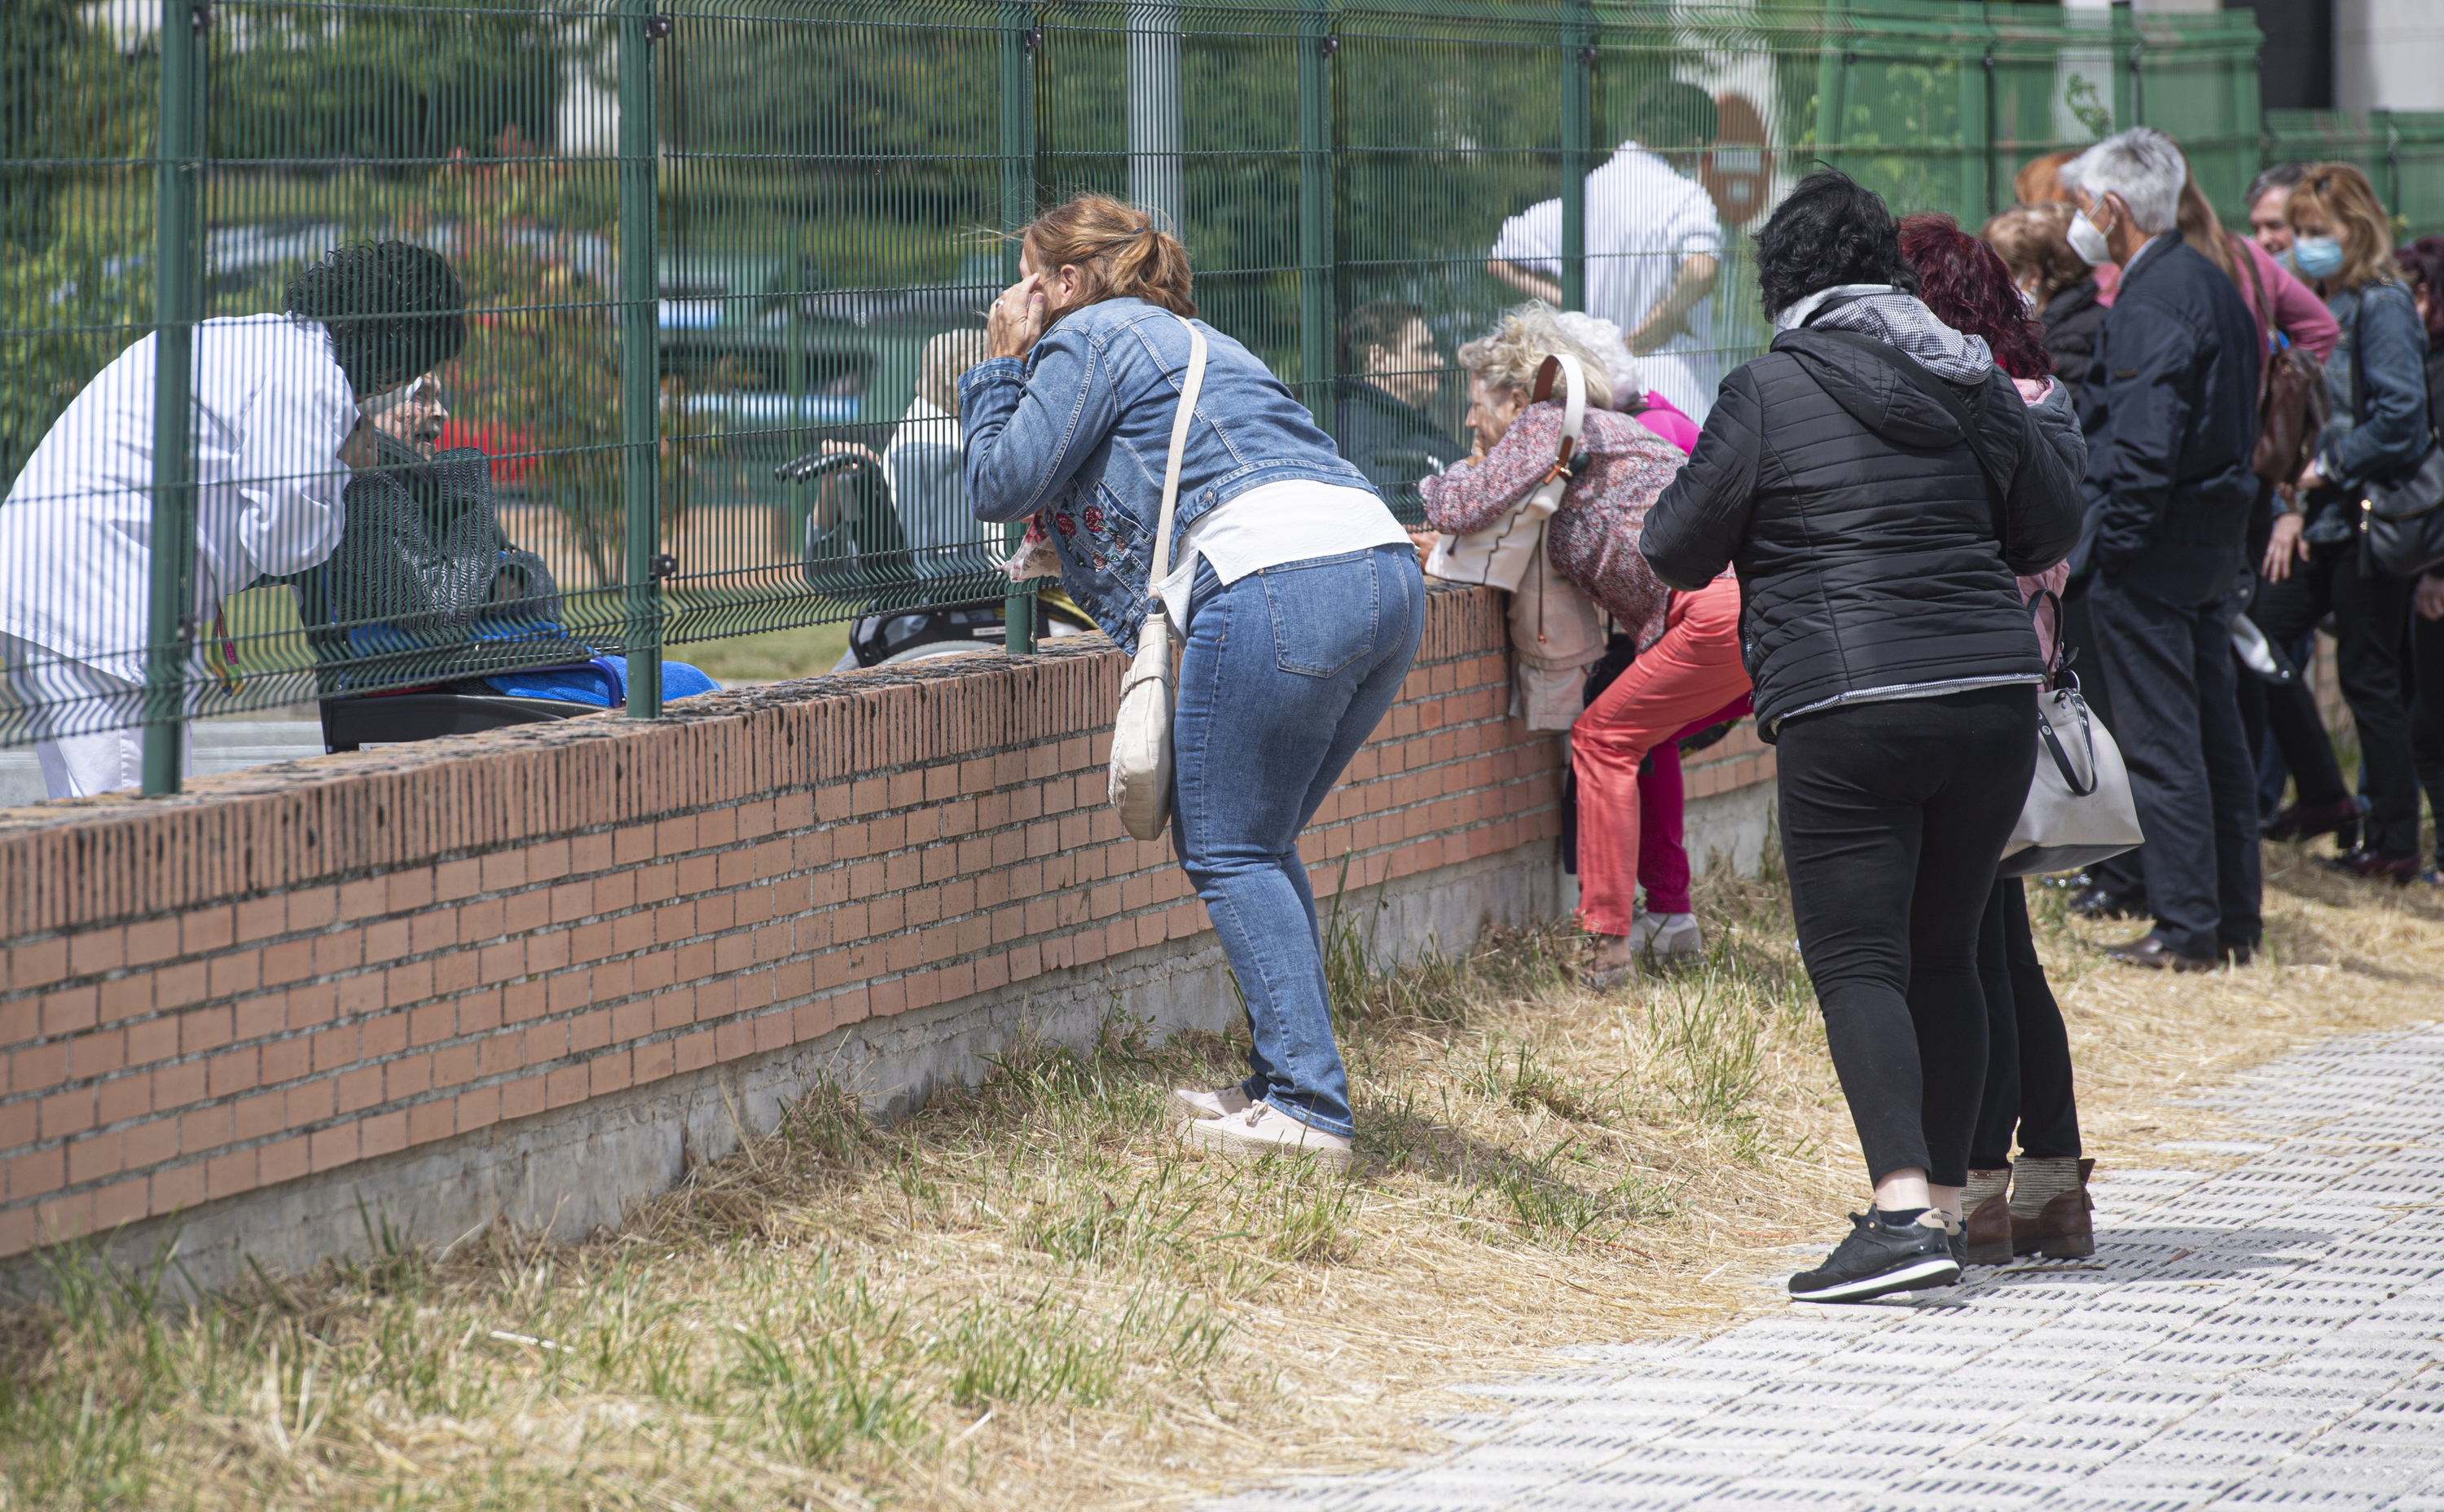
x=1882, y=1255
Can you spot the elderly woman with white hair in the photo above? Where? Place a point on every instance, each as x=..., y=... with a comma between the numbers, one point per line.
x=1687, y=663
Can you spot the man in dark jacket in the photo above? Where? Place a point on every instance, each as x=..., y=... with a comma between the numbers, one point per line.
x=2169, y=409
x=1391, y=373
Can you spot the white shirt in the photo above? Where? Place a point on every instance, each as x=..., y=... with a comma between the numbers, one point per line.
x=1643, y=221
x=1296, y=521
x=271, y=410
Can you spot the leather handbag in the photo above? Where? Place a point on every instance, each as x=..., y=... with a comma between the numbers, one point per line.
x=2080, y=808
x=1140, y=784
x=2290, y=397
x=2402, y=520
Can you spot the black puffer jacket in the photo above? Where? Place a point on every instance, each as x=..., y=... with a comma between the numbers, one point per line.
x=1862, y=527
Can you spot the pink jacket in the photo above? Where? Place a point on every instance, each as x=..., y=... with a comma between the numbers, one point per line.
x=2298, y=312
x=1661, y=418
x=2032, y=391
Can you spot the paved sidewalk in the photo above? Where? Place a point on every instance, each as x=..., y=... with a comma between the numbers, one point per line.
x=2271, y=1335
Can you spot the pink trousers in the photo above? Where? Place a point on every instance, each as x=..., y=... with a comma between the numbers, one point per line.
x=1682, y=683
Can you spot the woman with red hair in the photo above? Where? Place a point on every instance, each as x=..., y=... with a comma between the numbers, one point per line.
x=2027, y=1060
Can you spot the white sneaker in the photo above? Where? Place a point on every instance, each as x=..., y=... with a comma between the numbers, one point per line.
x=1265, y=1130
x=1671, y=936
x=1186, y=1103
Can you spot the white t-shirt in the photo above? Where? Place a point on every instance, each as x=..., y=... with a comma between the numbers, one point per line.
x=1296, y=521
x=1643, y=221
x=271, y=410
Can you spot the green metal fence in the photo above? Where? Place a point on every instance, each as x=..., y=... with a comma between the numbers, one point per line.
x=703, y=239
x=2400, y=151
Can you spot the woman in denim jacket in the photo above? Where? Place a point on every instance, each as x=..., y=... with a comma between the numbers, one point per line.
x=2375, y=386
x=1069, y=422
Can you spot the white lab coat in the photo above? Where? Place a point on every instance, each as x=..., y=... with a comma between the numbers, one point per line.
x=271, y=411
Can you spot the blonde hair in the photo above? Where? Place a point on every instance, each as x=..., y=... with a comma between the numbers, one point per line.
x=1509, y=357
x=2039, y=180
x=1117, y=249
x=2035, y=239
x=2350, y=206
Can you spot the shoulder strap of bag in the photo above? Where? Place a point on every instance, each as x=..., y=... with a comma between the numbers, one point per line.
x=1574, y=403
x=2265, y=314
x=1189, y=389
x=1917, y=376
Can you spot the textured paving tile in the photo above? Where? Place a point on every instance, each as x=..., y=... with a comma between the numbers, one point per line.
x=2271, y=1335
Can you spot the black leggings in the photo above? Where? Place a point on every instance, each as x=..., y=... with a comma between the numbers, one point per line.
x=1893, y=814
x=2369, y=610
x=2027, y=1051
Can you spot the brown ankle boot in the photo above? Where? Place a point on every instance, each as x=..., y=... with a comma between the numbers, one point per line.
x=2062, y=1229
x=1987, y=1228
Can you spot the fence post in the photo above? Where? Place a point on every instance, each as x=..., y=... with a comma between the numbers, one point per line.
x=1019, y=40
x=1315, y=46
x=1577, y=127
x=1157, y=172
x=1832, y=79
x=1976, y=133
x=178, y=299
x=640, y=356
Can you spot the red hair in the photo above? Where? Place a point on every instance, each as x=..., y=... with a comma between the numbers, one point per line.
x=1964, y=281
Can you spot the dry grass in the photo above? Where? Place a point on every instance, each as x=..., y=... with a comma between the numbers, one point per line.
x=1031, y=1292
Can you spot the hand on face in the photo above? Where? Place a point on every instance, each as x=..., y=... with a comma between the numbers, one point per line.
x=1016, y=320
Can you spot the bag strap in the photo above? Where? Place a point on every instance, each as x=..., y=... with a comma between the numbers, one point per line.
x=1917, y=376
x=2265, y=314
x=1189, y=389
x=1574, y=404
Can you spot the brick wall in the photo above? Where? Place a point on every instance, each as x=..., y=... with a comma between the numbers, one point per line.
x=303, y=970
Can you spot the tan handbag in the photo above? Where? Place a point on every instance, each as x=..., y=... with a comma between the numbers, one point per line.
x=1554, y=626
x=1141, y=753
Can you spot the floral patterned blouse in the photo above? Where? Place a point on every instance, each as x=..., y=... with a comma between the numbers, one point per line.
x=1594, y=534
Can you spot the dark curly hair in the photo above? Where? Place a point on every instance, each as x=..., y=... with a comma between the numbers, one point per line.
x=1831, y=230
x=392, y=310
x=2422, y=262
x=1965, y=282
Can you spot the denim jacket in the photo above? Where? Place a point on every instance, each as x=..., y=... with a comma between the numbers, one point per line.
x=1081, y=428
x=2382, y=432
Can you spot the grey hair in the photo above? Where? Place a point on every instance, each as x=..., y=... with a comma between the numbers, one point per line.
x=1510, y=355
x=2143, y=166
x=2282, y=176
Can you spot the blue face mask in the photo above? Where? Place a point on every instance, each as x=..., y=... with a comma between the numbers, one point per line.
x=2317, y=256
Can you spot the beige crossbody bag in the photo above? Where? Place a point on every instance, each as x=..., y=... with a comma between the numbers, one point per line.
x=1141, y=750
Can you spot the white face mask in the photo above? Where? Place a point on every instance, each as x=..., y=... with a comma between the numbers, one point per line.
x=2088, y=242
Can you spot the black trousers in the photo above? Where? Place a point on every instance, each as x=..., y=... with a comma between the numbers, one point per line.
x=2369, y=608
x=2027, y=1050
x=2123, y=876
x=1893, y=816
x=2426, y=642
x=2177, y=722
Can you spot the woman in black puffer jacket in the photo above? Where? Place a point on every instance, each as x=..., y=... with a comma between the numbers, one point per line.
x=1894, y=667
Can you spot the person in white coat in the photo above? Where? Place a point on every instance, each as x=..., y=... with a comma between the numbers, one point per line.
x=280, y=413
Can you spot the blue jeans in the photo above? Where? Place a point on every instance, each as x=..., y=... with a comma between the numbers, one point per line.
x=1269, y=718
